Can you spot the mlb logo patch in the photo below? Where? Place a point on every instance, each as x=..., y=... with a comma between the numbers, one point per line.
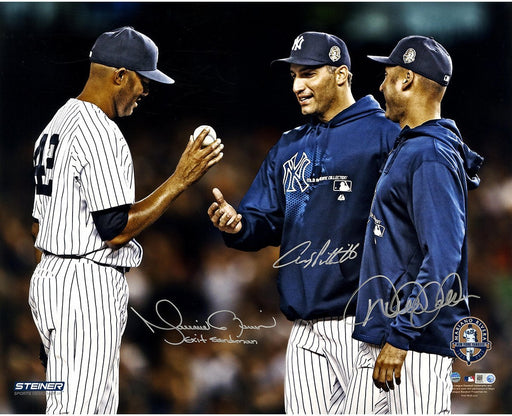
x=342, y=185
x=378, y=230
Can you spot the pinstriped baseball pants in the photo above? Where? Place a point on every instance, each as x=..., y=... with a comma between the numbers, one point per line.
x=319, y=365
x=80, y=310
x=425, y=386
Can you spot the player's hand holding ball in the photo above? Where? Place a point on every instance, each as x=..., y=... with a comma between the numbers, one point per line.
x=210, y=137
x=203, y=151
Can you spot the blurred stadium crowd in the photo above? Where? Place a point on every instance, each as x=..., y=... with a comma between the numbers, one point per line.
x=187, y=264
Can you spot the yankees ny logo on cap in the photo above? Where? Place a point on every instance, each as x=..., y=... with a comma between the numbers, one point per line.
x=317, y=49
x=297, y=43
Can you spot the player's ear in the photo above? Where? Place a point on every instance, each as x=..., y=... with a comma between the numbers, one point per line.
x=120, y=75
x=408, y=78
x=342, y=74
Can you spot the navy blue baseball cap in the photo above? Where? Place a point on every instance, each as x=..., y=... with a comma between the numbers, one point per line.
x=317, y=49
x=127, y=48
x=422, y=55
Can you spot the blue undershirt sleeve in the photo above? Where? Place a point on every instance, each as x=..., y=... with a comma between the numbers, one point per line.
x=110, y=222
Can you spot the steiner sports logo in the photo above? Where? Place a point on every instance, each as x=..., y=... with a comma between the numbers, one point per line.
x=38, y=386
x=294, y=173
x=470, y=340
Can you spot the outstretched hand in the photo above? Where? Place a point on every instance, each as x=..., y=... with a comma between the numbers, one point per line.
x=223, y=215
x=389, y=363
x=195, y=160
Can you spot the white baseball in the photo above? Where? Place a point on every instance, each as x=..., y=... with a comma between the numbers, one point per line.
x=210, y=137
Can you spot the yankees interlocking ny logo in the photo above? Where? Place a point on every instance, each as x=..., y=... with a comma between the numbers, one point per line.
x=297, y=43
x=294, y=173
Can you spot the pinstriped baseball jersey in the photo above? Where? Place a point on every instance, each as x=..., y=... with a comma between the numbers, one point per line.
x=82, y=164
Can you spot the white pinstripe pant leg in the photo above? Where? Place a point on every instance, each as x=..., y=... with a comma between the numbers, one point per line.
x=307, y=374
x=425, y=386
x=340, y=350
x=80, y=310
x=319, y=364
x=362, y=395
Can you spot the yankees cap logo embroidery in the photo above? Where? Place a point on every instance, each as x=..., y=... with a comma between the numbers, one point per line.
x=409, y=56
x=297, y=43
x=335, y=53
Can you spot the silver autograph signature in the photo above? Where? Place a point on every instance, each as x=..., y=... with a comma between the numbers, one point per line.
x=178, y=328
x=298, y=255
x=429, y=299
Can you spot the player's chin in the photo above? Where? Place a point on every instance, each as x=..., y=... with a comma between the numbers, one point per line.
x=128, y=111
x=307, y=110
x=391, y=116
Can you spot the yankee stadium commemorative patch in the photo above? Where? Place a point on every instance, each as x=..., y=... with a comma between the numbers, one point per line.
x=470, y=340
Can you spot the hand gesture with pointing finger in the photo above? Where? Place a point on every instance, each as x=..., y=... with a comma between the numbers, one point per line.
x=223, y=215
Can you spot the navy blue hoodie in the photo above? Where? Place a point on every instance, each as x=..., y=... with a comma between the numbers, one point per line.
x=414, y=273
x=312, y=196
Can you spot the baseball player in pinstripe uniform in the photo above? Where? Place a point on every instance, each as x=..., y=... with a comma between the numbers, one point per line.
x=86, y=218
x=312, y=196
x=413, y=287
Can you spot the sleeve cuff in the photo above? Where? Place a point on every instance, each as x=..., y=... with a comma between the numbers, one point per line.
x=398, y=340
x=232, y=240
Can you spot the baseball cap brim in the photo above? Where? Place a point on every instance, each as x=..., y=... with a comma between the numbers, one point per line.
x=299, y=61
x=382, y=60
x=157, y=76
